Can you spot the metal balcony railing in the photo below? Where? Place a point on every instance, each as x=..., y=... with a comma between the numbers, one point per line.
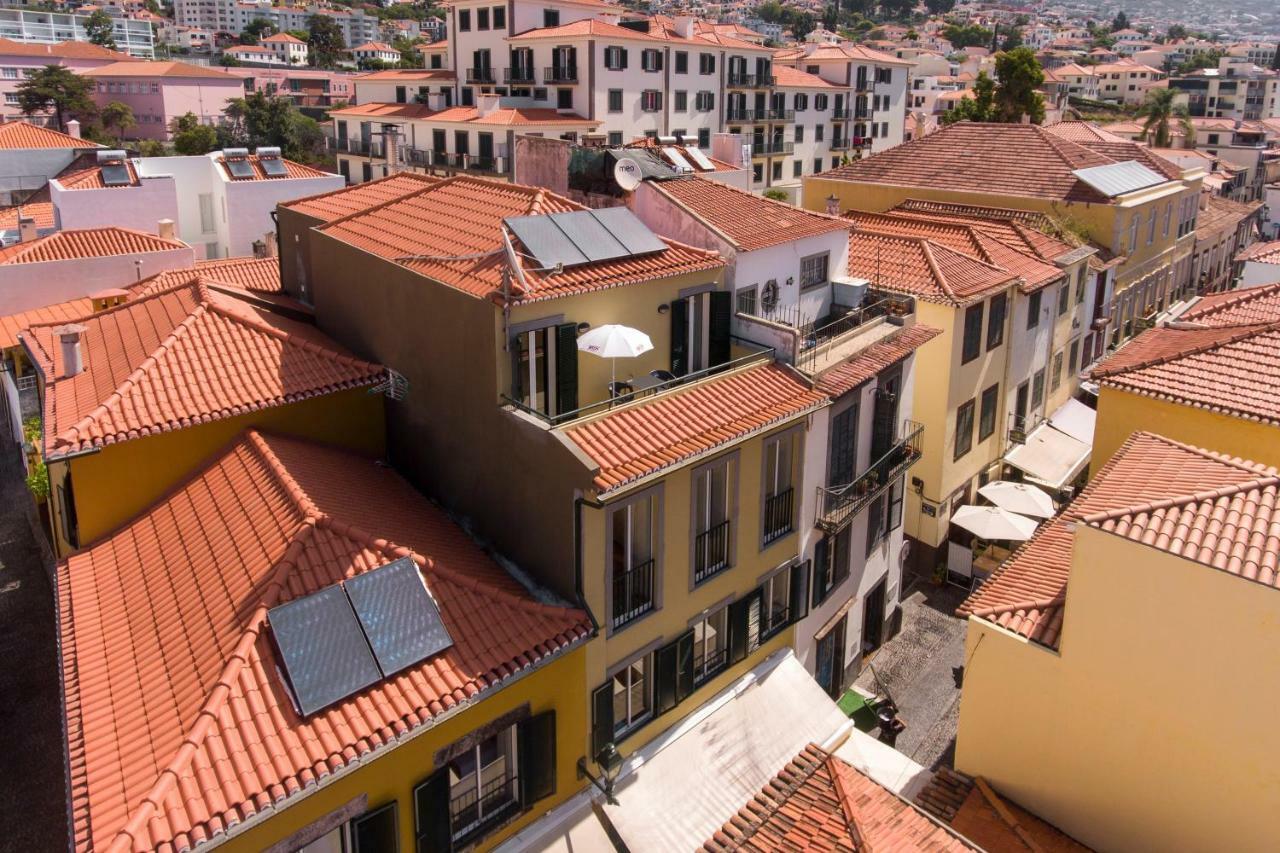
x=779, y=518
x=517, y=75
x=772, y=146
x=480, y=75
x=473, y=812
x=751, y=81
x=711, y=551
x=744, y=115
x=837, y=505
x=632, y=593
x=496, y=164
x=560, y=74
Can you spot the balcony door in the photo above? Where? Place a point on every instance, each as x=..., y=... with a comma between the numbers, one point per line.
x=884, y=425
x=829, y=669
x=844, y=447
x=484, y=150
x=700, y=331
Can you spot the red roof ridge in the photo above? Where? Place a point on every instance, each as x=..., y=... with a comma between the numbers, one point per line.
x=847, y=800
x=926, y=246
x=1101, y=516
x=1203, y=339
x=1036, y=603
x=1222, y=302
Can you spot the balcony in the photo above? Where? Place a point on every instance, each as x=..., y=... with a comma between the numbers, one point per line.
x=847, y=331
x=849, y=143
x=711, y=552
x=472, y=813
x=518, y=76
x=838, y=505
x=560, y=74
x=750, y=116
x=480, y=75
x=766, y=147
x=632, y=593
x=779, y=515
x=751, y=81
x=497, y=163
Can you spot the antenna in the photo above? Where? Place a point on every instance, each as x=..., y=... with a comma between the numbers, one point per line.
x=627, y=173
x=395, y=386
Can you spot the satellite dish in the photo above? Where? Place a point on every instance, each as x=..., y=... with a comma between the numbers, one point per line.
x=627, y=173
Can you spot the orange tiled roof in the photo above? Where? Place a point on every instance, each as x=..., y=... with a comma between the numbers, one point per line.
x=258, y=275
x=292, y=170
x=357, y=197
x=21, y=135
x=977, y=813
x=407, y=74
x=1236, y=307
x=820, y=803
x=184, y=356
x=1227, y=369
x=1020, y=160
x=845, y=53
x=747, y=220
x=635, y=441
x=470, y=115
x=82, y=243
x=63, y=50
x=1027, y=594
x=1083, y=132
x=920, y=267
x=452, y=232
x=793, y=78
x=62, y=312
x=1262, y=253
x=847, y=375
x=87, y=175
x=1020, y=229
x=41, y=211
x=208, y=737
x=181, y=70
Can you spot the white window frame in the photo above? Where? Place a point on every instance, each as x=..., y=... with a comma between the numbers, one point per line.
x=511, y=758
x=632, y=721
x=702, y=671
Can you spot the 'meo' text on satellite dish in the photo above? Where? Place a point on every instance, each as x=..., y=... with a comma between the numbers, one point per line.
x=627, y=173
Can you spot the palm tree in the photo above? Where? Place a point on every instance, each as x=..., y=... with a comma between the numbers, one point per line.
x=1159, y=110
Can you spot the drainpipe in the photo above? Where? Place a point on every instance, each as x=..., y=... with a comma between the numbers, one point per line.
x=578, y=503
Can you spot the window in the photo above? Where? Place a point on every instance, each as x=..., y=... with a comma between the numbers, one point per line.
x=207, y=222
x=987, y=417
x=615, y=138
x=550, y=17
x=376, y=829
x=682, y=101
x=499, y=17
x=813, y=270
x=464, y=20
x=817, y=161
x=796, y=168
x=704, y=137
x=483, y=783
x=777, y=170
x=801, y=102
x=402, y=95
x=710, y=644
x=705, y=102
x=682, y=61
x=1168, y=217
x=651, y=60
x=799, y=133
x=544, y=375
x=777, y=602
x=818, y=131
x=706, y=63
x=1055, y=378
x=564, y=99
x=651, y=101
x=482, y=19
x=1064, y=298
x=1033, y=310
x=67, y=504
x=1073, y=360
x=876, y=523
x=1133, y=231
x=1080, y=279
x=615, y=58
x=972, y=344
x=779, y=464
x=820, y=103
x=633, y=534
x=995, y=320
x=615, y=100
x=1151, y=227
x=964, y=429
x=713, y=487
x=539, y=94
x=831, y=563
x=896, y=496
x=11, y=74
x=631, y=696
x=1037, y=389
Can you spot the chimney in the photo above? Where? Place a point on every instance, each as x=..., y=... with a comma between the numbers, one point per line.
x=435, y=101
x=164, y=228
x=72, y=357
x=270, y=240
x=684, y=26
x=73, y=128
x=833, y=205
x=486, y=105
x=391, y=147
x=27, y=230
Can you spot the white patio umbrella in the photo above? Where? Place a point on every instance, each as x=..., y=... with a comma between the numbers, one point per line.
x=1022, y=498
x=992, y=522
x=613, y=342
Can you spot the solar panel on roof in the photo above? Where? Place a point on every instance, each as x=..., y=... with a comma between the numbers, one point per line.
x=590, y=235
x=629, y=230
x=115, y=175
x=1115, y=179
x=273, y=166
x=324, y=652
x=677, y=159
x=240, y=168
x=400, y=619
x=701, y=159
x=584, y=236
x=545, y=241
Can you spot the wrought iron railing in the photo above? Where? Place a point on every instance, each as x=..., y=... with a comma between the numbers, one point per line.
x=751, y=81
x=772, y=146
x=707, y=665
x=779, y=517
x=472, y=812
x=711, y=551
x=818, y=339
x=560, y=74
x=632, y=593
x=517, y=75
x=838, y=504
x=480, y=75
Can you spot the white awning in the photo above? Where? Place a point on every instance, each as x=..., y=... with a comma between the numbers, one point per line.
x=1050, y=457
x=1076, y=420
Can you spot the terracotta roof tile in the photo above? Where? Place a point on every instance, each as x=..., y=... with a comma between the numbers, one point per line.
x=62, y=312
x=208, y=737
x=182, y=357
x=259, y=275
x=820, y=803
x=640, y=439
x=1218, y=214
x=80, y=243
x=86, y=174
x=1021, y=160
x=747, y=220
x=793, y=78
x=40, y=211
x=971, y=810
x=463, y=246
x=847, y=375
x=1027, y=594
x=1262, y=253
x=357, y=197
x=21, y=135
x=63, y=50
x=180, y=70
x=1236, y=307
x=918, y=266
x=505, y=116
x=292, y=170
x=408, y=73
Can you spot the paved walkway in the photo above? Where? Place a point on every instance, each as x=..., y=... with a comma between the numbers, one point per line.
x=918, y=668
x=32, y=792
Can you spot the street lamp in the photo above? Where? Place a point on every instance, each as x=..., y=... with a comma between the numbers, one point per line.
x=609, y=760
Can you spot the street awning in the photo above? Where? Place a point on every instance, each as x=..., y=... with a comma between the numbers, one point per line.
x=1050, y=457
x=1076, y=420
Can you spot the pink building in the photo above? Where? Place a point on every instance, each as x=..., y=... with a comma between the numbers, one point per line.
x=159, y=92
x=18, y=59
x=306, y=87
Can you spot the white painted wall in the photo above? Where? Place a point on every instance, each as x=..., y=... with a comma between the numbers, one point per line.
x=250, y=205
x=1256, y=274
x=140, y=208
x=191, y=177
x=29, y=169
x=1028, y=350
x=27, y=286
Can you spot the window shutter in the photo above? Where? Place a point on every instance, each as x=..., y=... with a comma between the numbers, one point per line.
x=566, y=368
x=601, y=717
x=821, y=556
x=431, y=821
x=378, y=830
x=721, y=318
x=679, y=336
x=657, y=63
x=800, y=591
x=536, y=744
x=622, y=55
x=684, y=665
x=664, y=679
x=740, y=627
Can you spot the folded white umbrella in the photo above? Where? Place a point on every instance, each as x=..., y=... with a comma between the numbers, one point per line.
x=1021, y=498
x=992, y=522
x=613, y=341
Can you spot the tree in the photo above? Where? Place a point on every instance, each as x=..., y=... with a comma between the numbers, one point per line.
x=117, y=117
x=324, y=38
x=100, y=29
x=981, y=107
x=939, y=7
x=775, y=194
x=261, y=119
x=971, y=35
x=229, y=61
x=59, y=89
x=151, y=148
x=1017, y=94
x=152, y=6
x=1120, y=22
x=1158, y=110
x=897, y=10
x=802, y=23
x=255, y=30
x=1011, y=40
x=1176, y=31
x=192, y=137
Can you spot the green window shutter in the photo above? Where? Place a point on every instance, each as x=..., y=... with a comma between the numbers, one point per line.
x=377, y=830
x=800, y=591
x=664, y=678
x=684, y=665
x=566, y=368
x=623, y=51
x=601, y=717
x=536, y=738
x=679, y=336
x=431, y=821
x=821, y=555
x=718, y=339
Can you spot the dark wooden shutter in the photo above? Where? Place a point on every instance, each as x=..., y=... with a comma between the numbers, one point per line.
x=800, y=591
x=664, y=678
x=740, y=627
x=601, y=717
x=378, y=830
x=536, y=739
x=566, y=368
x=721, y=318
x=431, y=822
x=679, y=336
x=821, y=555
x=623, y=52
x=684, y=665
